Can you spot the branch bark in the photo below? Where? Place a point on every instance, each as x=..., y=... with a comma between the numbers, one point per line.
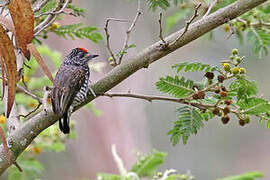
x=23, y=136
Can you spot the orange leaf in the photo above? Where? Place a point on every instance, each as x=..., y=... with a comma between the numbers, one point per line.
x=23, y=20
x=3, y=70
x=7, y=51
x=40, y=61
x=4, y=141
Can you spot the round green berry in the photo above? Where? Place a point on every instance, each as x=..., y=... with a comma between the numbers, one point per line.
x=243, y=71
x=235, y=70
x=227, y=67
x=235, y=51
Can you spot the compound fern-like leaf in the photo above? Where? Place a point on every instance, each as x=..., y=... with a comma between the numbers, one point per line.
x=194, y=67
x=178, y=88
x=254, y=106
x=189, y=122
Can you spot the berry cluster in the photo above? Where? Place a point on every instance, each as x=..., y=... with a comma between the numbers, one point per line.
x=215, y=85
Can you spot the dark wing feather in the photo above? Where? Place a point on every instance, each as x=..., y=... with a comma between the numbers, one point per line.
x=69, y=80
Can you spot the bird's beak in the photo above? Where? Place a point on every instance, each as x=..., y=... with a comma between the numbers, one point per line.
x=93, y=55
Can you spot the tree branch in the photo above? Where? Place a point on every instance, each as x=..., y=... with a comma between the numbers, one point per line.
x=190, y=20
x=159, y=98
x=210, y=8
x=23, y=136
x=51, y=17
x=164, y=43
x=114, y=61
x=139, y=12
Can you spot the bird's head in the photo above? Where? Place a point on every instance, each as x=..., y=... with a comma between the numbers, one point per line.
x=79, y=56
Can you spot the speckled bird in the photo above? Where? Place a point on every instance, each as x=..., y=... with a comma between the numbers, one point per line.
x=71, y=85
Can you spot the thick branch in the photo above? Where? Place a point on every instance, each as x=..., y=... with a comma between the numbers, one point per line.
x=24, y=135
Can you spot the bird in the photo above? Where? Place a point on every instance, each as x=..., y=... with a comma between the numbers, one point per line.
x=71, y=85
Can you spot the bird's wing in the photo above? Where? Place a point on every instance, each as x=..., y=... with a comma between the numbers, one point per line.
x=69, y=80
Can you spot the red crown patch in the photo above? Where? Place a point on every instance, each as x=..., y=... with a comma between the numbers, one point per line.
x=84, y=50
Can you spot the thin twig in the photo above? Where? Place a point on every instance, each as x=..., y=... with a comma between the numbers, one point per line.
x=51, y=17
x=39, y=4
x=159, y=98
x=210, y=8
x=108, y=37
x=232, y=30
x=18, y=166
x=190, y=20
x=139, y=12
x=165, y=44
x=5, y=4
x=31, y=112
x=54, y=12
x=29, y=93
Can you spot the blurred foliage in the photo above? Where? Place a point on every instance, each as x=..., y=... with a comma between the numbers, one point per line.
x=163, y=4
x=253, y=25
x=245, y=176
x=32, y=169
x=146, y=167
x=210, y=97
x=79, y=31
x=72, y=30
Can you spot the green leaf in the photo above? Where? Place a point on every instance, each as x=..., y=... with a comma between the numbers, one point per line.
x=178, y=88
x=207, y=115
x=245, y=176
x=174, y=177
x=77, y=11
x=261, y=41
x=48, y=7
x=243, y=88
x=124, y=51
x=154, y=4
x=268, y=124
x=194, y=67
x=105, y=176
x=79, y=31
x=254, y=106
x=189, y=122
x=146, y=166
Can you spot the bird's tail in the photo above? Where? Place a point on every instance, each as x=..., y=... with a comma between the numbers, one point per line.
x=64, y=123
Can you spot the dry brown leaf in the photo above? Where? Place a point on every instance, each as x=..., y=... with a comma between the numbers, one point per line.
x=31, y=47
x=23, y=20
x=4, y=141
x=7, y=51
x=3, y=70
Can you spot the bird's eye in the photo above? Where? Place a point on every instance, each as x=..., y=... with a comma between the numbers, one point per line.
x=81, y=54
